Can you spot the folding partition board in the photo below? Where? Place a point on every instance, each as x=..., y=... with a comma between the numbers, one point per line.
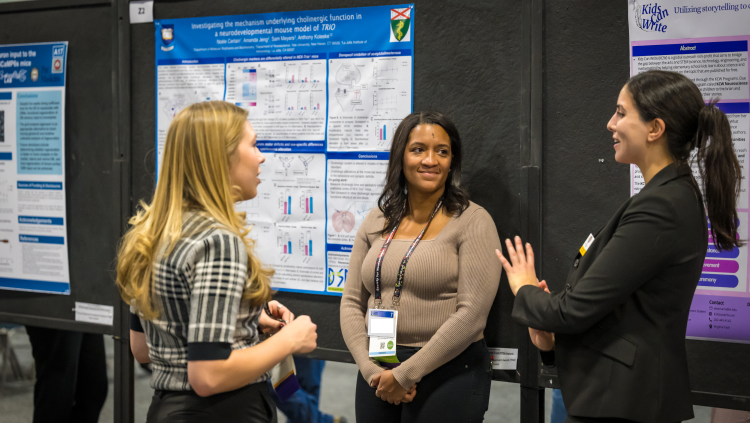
x=92, y=159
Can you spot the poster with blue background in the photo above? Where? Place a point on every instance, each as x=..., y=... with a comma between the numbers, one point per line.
x=33, y=221
x=324, y=91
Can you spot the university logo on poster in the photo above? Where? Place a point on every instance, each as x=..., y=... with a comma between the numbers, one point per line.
x=167, y=37
x=400, y=25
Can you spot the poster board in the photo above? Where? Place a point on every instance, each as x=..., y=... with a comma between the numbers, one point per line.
x=324, y=91
x=32, y=168
x=708, y=43
x=97, y=198
x=92, y=161
x=478, y=87
x=581, y=90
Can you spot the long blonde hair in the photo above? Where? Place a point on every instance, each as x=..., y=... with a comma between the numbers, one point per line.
x=201, y=142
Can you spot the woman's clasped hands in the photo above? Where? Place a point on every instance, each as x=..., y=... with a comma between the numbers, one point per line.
x=390, y=390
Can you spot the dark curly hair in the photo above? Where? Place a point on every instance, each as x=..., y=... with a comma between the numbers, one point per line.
x=393, y=202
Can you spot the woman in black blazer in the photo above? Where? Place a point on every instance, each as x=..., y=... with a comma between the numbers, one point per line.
x=617, y=331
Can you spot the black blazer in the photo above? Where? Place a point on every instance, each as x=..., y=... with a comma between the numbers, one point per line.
x=620, y=322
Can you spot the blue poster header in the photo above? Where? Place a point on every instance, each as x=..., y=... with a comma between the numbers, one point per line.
x=38, y=220
x=339, y=247
x=33, y=65
x=38, y=239
x=355, y=54
x=730, y=108
x=358, y=156
x=35, y=286
x=362, y=29
x=292, y=146
x=55, y=186
x=690, y=48
x=209, y=61
x=278, y=58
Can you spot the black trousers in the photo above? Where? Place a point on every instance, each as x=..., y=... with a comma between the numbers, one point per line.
x=458, y=391
x=71, y=375
x=251, y=404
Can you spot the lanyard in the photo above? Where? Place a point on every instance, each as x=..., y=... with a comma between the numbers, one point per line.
x=402, y=268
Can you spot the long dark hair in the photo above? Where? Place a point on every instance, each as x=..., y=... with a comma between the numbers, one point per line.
x=692, y=124
x=394, y=201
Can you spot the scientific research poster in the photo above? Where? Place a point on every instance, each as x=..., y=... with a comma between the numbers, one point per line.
x=707, y=41
x=33, y=223
x=325, y=91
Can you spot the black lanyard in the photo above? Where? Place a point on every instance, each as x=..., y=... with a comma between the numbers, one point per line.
x=402, y=269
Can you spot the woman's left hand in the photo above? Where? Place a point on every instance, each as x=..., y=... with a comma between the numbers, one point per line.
x=520, y=269
x=390, y=390
x=279, y=311
x=271, y=324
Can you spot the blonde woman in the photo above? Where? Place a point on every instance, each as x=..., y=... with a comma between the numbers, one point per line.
x=187, y=268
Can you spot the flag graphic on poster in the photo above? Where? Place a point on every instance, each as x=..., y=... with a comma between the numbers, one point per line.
x=400, y=24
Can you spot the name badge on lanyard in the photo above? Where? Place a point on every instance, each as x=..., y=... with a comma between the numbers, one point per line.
x=381, y=328
x=586, y=245
x=381, y=324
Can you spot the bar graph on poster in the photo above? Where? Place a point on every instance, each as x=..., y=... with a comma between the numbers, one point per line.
x=708, y=43
x=325, y=91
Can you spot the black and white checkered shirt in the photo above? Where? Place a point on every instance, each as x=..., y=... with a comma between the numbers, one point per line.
x=198, y=288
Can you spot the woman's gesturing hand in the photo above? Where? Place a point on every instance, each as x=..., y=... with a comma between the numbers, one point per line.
x=390, y=390
x=520, y=268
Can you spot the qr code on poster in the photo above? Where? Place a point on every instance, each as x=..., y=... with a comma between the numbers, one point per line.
x=382, y=345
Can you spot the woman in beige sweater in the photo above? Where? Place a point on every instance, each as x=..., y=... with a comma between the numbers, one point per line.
x=443, y=294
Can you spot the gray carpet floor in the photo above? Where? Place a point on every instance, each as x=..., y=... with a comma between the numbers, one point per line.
x=337, y=392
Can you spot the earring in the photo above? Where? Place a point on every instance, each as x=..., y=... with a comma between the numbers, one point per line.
x=406, y=190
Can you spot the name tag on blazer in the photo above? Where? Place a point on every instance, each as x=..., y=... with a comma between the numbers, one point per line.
x=586, y=245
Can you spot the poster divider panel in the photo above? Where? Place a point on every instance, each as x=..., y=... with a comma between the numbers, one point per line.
x=532, y=51
x=124, y=386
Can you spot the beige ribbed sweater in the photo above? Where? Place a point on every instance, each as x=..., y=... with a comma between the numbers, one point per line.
x=449, y=286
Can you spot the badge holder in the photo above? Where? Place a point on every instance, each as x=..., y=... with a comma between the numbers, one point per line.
x=284, y=378
x=381, y=328
x=284, y=374
x=586, y=245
